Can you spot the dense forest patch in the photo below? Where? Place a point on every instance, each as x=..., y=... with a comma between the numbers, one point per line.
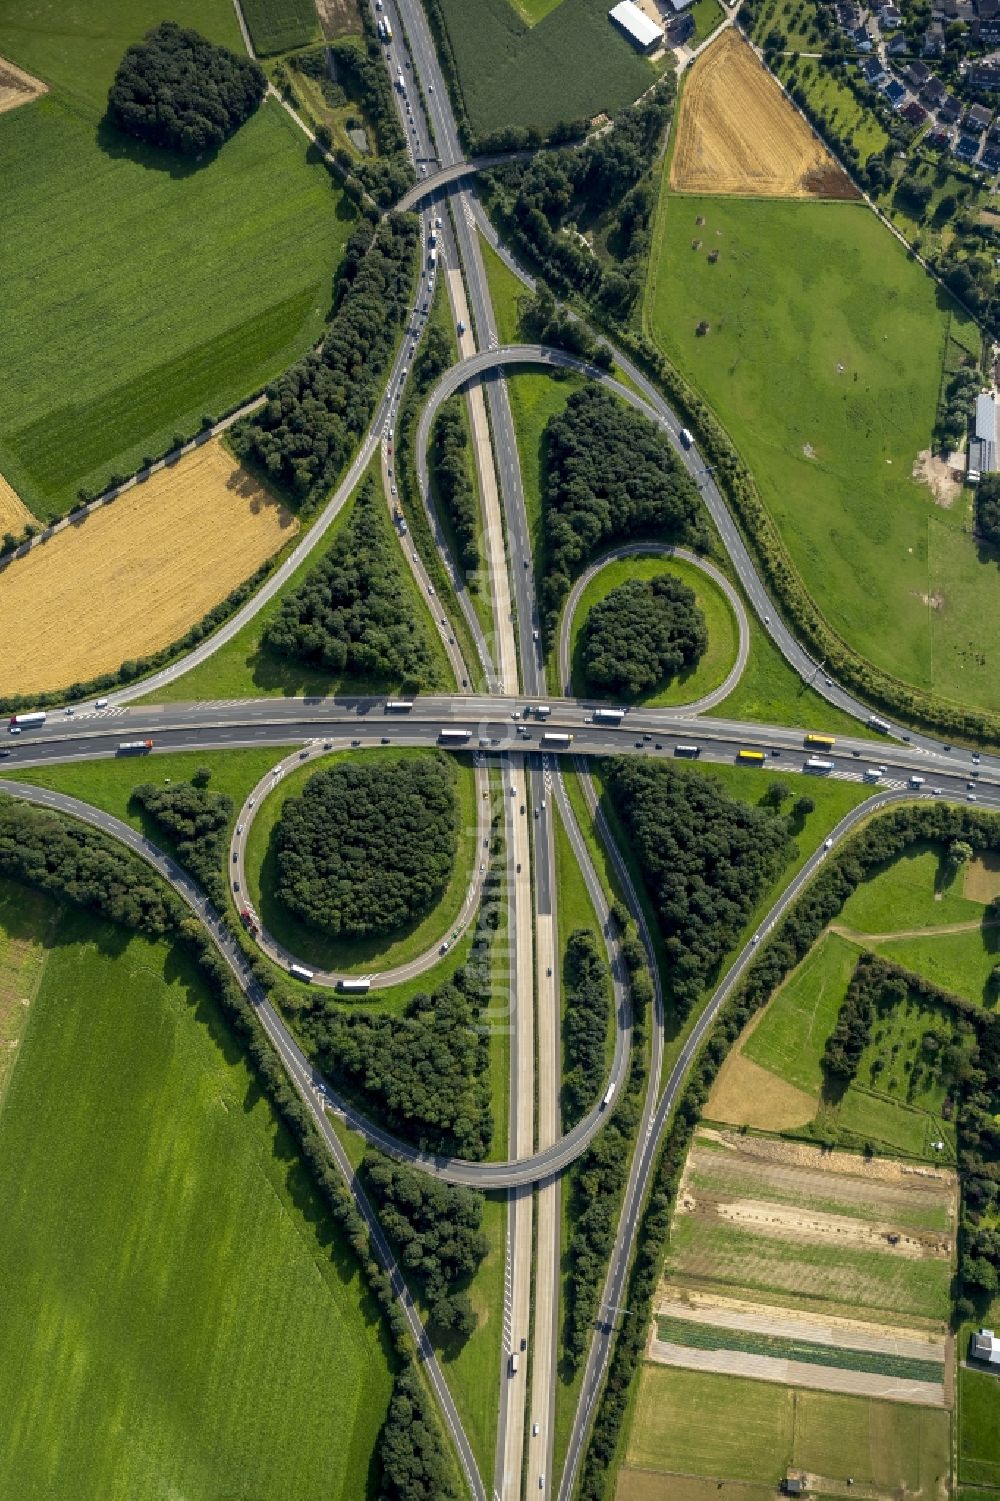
x=368, y=847
x=643, y=633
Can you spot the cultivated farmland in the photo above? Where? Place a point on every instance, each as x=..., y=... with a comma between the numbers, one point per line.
x=853, y=337
x=14, y=514
x=690, y=1424
x=135, y=575
x=142, y=293
x=165, y=1258
x=570, y=65
x=737, y=133
x=279, y=25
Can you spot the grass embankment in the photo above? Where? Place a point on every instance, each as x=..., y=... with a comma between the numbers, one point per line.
x=854, y=336
x=240, y=248
x=723, y=636
x=246, y=667
x=570, y=65
x=122, y=1033
x=386, y=951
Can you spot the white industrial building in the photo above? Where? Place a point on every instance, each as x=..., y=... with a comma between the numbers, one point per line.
x=983, y=452
x=640, y=30
x=985, y=1346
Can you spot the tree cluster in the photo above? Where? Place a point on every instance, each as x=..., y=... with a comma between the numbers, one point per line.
x=423, y=1074
x=196, y=820
x=316, y=412
x=437, y=1233
x=177, y=90
x=957, y=400
x=642, y=634
x=414, y=1457
x=610, y=475
x=450, y=468
x=545, y=199
x=586, y=1025
x=369, y=845
x=988, y=508
x=353, y=614
x=706, y=859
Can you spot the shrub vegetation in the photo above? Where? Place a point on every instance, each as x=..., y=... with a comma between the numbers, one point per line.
x=706, y=858
x=641, y=634
x=196, y=820
x=611, y=475
x=436, y=1230
x=368, y=847
x=450, y=467
x=586, y=1026
x=353, y=614
x=177, y=90
x=988, y=508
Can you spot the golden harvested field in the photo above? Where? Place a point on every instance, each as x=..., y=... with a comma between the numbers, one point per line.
x=135, y=575
x=737, y=133
x=17, y=87
x=982, y=878
x=744, y=1094
x=14, y=514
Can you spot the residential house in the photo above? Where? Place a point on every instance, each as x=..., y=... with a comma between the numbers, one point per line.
x=985, y=1347
x=933, y=42
x=966, y=148
x=914, y=114
x=932, y=93
x=889, y=18
x=977, y=119
x=862, y=40
x=916, y=75
x=984, y=77
x=899, y=46
x=895, y=93
x=948, y=110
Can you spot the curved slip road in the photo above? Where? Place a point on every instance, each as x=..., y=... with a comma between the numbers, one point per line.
x=397, y=974
x=660, y=549
x=307, y=1081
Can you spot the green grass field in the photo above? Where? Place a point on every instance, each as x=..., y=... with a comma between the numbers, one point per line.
x=322, y=950
x=727, y=1426
x=571, y=64
x=698, y=1336
x=791, y=1035
x=180, y=1315
x=142, y=291
x=853, y=337
x=708, y=14
x=246, y=668
x=909, y=893
x=959, y=962
x=280, y=25
x=534, y=398
x=723, y=638
x=979, y=1428
x=832, y=98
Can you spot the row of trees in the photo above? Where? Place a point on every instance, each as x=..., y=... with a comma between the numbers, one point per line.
x=423, y=1073
x=988, y=508
x=197, y=821
x=543, y=202
x=610, y=475
x=317, y=411
x=883, y=839
x=436, y=1230
x=585, y=1029
x=449, y=460
x=177, y=90
x=81, y=865
x=706, y=859
x=354, y=614
x=369, y=845
x=955, y=408
x=642, y=634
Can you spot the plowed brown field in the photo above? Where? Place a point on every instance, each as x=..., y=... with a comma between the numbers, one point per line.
x=737, y=133
x=135, y=575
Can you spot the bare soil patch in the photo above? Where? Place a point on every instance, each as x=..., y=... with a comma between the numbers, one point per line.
x=339, y=18
x=825, y=1329
x=14, y=514
x=936, y=473
x=17, y=87
x=738, y=133
x=982, y=878
x=798, y=1373
x=135, y=575
x=745, y=1094
x=824, y=1163
x=812, y=1227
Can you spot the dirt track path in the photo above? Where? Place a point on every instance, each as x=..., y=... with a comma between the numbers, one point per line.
x=855, y=935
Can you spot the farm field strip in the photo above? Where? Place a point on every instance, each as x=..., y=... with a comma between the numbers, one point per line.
x=280, y=25
x=704, y=1335
x=14, y=514
x=737, y=133
x=811, y=1375
x=135, y=575
x=817, y=1328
